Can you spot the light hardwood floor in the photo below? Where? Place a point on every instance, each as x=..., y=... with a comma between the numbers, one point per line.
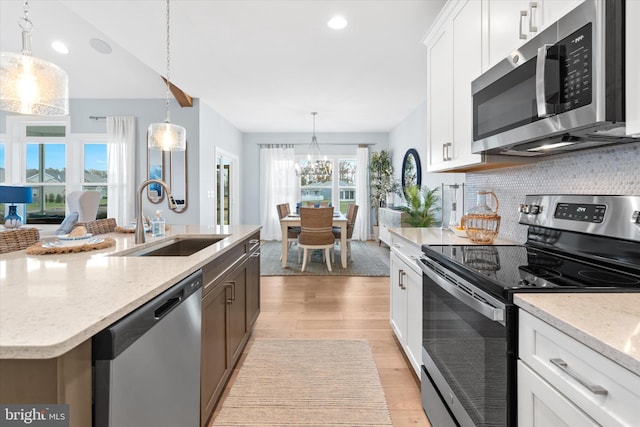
x=341, y=307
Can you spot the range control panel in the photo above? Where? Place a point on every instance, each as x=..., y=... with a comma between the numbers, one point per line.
x=580, y=212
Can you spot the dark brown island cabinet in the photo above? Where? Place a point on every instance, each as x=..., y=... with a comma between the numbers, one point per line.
x=230, y=308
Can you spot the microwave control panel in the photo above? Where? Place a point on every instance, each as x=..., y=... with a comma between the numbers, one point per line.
x=576, y=69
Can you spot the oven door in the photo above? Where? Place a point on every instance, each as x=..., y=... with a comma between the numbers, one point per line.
x=468, y=352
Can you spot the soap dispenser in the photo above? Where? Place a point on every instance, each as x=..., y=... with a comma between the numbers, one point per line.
x=157, y=225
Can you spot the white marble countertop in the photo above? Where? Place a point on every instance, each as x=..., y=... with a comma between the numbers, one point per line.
x=608, y=323
x=51, y=303
x=438, y=236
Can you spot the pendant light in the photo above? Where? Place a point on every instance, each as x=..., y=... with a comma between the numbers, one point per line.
x=30, y=85
x=167, y=136
x=317, y=168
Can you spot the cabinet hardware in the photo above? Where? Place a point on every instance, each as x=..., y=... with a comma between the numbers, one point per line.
x=400, y=274
x=533, y=5
x=446, y=154
x=564, y=367
x=229, y=299
x=523, y=14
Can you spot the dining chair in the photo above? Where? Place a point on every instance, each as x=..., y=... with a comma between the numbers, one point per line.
x=86, y=203
x=316, y=233
x=292, y=232
x=352, y=213
x=16, y=240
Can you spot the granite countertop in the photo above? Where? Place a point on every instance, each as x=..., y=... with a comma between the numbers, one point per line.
x=608, y=323
x=51, y=303
x=438, y=236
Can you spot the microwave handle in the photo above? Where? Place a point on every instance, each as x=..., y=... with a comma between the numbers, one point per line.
x=541, y=99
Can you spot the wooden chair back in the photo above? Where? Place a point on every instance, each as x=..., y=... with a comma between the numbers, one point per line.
x=17, y=240
x=283, y=210
x=352, y=213
x=316, y=226
x=100, y=226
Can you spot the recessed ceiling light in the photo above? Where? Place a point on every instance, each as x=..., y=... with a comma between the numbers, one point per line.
x=337, y=23
x=100, y=46
x=60, y=47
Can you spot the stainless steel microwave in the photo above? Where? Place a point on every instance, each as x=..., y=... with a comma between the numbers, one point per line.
x=563, y=90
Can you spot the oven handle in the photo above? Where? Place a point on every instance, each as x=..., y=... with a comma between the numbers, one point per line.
x=541, y=64
x=487, y=310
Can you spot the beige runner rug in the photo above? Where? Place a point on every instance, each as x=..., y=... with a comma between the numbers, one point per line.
x=306, y=382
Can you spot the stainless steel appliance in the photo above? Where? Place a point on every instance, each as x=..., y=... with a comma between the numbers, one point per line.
x=147, y=365
x=574, y=244
x=561, y=91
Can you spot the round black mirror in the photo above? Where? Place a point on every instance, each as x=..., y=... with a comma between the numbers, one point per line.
x=411, y=169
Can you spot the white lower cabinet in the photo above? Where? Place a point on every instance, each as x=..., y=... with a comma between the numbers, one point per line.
x=541, y=405
x=562, y=382
x=406, y=300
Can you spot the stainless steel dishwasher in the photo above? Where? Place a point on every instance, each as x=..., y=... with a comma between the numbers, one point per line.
x=147, y=364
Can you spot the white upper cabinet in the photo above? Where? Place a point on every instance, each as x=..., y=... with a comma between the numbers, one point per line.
x=511, y=23
x=632, y=71
x=454, y=50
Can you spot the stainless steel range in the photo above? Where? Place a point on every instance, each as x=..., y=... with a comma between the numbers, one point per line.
x=574, y=244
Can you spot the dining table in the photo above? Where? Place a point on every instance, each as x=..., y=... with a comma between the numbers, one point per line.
x=293, y=220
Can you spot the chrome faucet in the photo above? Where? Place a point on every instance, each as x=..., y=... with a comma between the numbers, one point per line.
x=140, y=235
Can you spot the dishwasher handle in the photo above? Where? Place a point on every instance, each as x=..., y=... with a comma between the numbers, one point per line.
x=113, y=340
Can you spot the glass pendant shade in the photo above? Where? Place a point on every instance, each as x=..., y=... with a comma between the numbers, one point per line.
x=317, y=167
x=30, y=85
x=166, y=137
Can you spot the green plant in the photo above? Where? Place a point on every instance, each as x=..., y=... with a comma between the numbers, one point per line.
x=422, y=206
x=381, y=178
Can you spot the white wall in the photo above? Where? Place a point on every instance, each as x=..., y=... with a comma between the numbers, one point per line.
x=146, y=111
x=216, y=133
x=412, y=133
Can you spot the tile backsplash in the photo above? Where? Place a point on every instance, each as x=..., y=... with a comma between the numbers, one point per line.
x=613, y=169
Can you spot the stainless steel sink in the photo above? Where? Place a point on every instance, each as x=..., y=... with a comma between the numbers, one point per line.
x=180, y=246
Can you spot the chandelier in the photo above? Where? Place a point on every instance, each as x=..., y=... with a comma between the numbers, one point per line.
x=30, y=85
x=167, y=136
x=316, y=168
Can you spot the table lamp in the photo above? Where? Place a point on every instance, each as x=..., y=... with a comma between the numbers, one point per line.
x=14, y=195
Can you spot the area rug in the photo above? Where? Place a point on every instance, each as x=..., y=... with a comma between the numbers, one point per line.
x=368, y=260
x=306, y=383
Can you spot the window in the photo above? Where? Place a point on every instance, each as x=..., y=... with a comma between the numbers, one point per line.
x=45, y=156
x=338, y=188
x=45, y=172
x=95, y=173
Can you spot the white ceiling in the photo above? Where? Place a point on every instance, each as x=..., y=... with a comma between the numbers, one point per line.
x=263, y=65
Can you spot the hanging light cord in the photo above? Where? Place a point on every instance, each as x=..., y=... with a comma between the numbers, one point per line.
x=26, y=25
x=168, y=57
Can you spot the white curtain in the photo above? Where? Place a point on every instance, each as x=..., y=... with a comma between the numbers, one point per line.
x=278, y=184
x=361, y=230
x=121, y=152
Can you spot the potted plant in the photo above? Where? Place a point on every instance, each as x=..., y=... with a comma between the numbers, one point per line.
x=381, y=177
x=422, y=206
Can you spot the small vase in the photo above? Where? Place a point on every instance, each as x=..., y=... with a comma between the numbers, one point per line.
x=12, y=220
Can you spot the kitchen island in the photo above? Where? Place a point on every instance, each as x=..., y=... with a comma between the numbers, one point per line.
x=51, y=306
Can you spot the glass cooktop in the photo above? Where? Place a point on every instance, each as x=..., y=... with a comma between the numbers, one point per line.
x=501, y=269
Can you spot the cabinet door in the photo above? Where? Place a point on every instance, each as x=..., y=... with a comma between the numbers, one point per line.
x=398, y=307
x=253, y=289
x=237, y=313
x=439, y=96
x=467, y=65
x=509, y=27
x=215, y=365
x=556, y=9
x=541, y=405
x=632, y=64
